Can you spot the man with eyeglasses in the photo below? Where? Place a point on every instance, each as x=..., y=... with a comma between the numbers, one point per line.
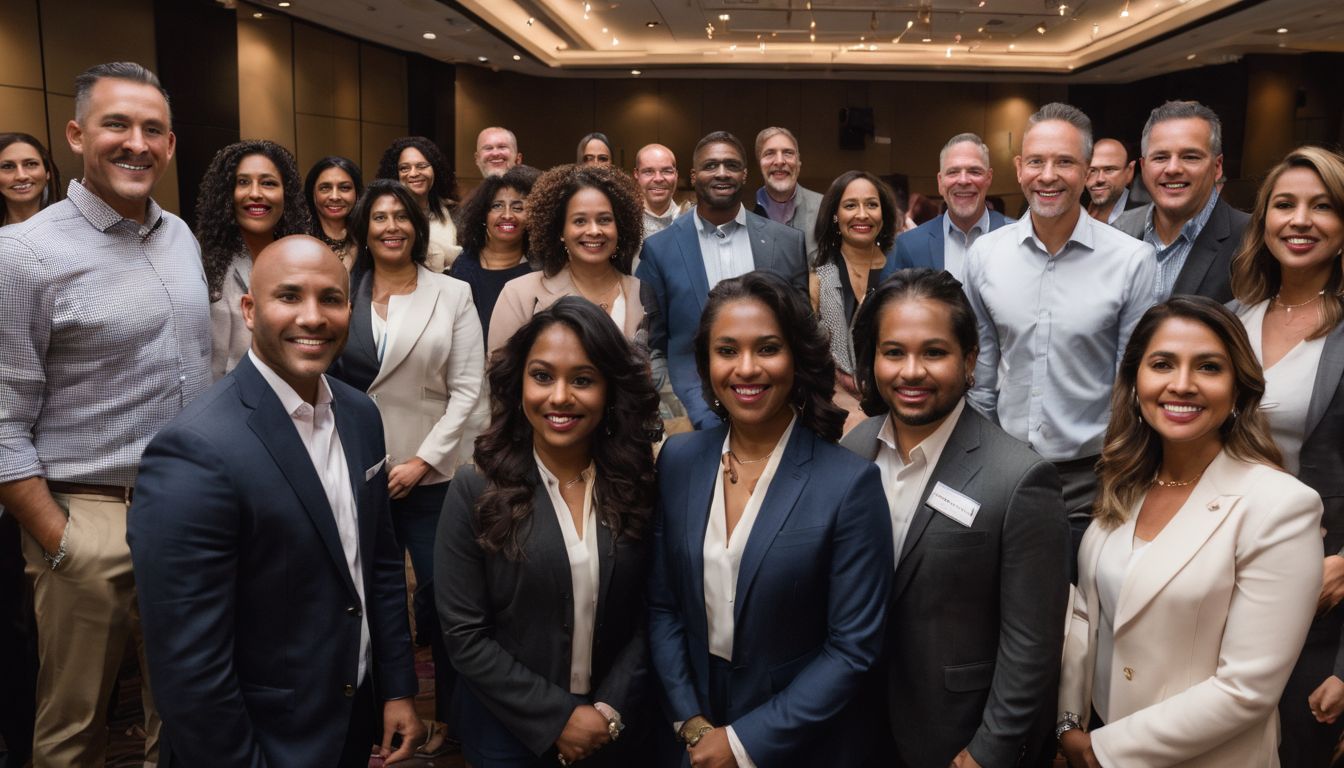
x=1108, y=180
x=781, y=198
x=723, y=239
x=964, y=176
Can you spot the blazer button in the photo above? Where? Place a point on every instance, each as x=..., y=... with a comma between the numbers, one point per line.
x=349, y=691
x=353, y=610
x=1129, y=673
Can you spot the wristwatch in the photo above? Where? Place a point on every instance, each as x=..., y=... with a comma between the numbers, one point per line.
x=1068, y=722
x=54, y=560
x=694, y=729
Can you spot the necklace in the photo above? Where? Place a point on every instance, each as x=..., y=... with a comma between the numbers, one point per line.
x=1290, y=307
x=730, y=457
x=575, y=481
x=605, y=305
x=399, y=290
x=1176, y=483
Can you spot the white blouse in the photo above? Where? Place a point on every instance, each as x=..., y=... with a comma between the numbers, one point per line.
x=1288, y=386
x=723, y=554
x=583, y=574
x=1118, y=556
x=384, y=330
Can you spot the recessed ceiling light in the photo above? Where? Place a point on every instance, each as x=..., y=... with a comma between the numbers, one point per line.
x=429, y=35
x=1040, y=28
x=724, y=17
x=636, y=72
x=651, y=24
x=615, y=40
x=604, y=30
x=257, y=15
x=1011, y=46
x=530, y=21
x=482, y=59
x=516, y=57
x=283, y=5
x=926, y=40
x=1191, y=57
x=1282, y=30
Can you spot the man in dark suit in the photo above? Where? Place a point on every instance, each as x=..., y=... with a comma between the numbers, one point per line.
x=980, y=535
x=679, y=265
x=271, y=590
x=1108, y=178
x=1195, y=232
x=964, y=176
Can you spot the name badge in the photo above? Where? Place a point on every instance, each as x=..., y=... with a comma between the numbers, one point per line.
x=371, y=471
x=954, y=505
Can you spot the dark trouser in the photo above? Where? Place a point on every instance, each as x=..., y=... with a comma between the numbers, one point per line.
x=1305, y=743
x=361, y=736
x=1079, y=480
x=416, y=519
x=18, y=650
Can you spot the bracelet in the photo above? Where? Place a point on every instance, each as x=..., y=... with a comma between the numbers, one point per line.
x=55, y=560
x=694, y=729
x=1068, y=722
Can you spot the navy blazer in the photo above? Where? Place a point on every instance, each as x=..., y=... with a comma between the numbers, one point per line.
x=672, y=274
x=923, y=245
x=811, y=598
x=250, y=617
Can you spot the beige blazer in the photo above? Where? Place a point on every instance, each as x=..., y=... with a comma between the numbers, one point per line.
x=429, y=387
x=524, y=296
x=229, y=335
x=443, y=247
x=1208, y=625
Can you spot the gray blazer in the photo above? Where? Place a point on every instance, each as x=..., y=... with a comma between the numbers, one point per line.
x=229, y=336
x=1208, y=267
x=804, y=218
x=976, y=623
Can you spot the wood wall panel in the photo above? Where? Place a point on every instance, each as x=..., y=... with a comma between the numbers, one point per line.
x=374, y=139
x=326, y=73
x=25, y=111
x=320, y=136
x=80, y=33
x=20, y=45
x=382, y=86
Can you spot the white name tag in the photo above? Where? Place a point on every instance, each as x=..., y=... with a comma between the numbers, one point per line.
x=371, y=471
x=955, y=505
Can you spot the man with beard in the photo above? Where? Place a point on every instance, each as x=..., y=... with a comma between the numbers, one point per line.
x=1057, y=295
x=1194, y=231
x=723, y=239
x=953, y=478
x=781, y=198
x=1108, y=179
x=964, y=177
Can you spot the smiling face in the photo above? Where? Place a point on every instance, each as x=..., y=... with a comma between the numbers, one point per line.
x=656, y=173
x=564, y=394
x=1303, y=229
x=750, y=364
x=506, y=219
x=963, y=182
x=334, y=196
x=23, y=175
x=920, y=369
x=415, y=172
x=859, y=217
x=718, y=175
x=258, y=196
x=595, y=153
x=590, y=227
x=1179, y=168
x=1109, y=173
x=780, y=165
x=125, y=142
x=1185, y=385
x=1051, y=168
x=391, y=233
x=496, y=152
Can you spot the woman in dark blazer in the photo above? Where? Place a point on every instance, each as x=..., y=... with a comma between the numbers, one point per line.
x=772, y=552
x=1287, y=281
x=540, y=563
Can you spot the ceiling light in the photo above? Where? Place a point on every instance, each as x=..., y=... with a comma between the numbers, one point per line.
x=733, y=47
x=981, y=5
x=1191, y=57
x=1124, y=12
x=650, y=24
x=516, y=57
x=1040, y=28
x=926, y=40
x=1063, y=9
x=604, y=30
x=812, y=36
x=1282, y=30
x=257, y=15
x=614, y=40
x=981, y=30
x=636, y=72
x=530, y=21
x=949, y=52
x=724, y=17
x=482, y=59
x=283, y=5
x=1011, y=46
x=1096, y=29
x=429, y=35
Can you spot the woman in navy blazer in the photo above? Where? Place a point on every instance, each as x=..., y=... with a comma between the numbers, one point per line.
x=772, y=555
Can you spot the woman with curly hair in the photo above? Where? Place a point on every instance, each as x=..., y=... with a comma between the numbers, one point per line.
x=251, y=196
x=331, y=188
x=772, y=553
x=855, y=229
x=493, y=236
x=417, y=162
x=29, y=180
x=541, y=554
x=584, y=226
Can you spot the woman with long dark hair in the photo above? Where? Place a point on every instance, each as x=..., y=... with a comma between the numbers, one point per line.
x=418, y=163
x=1198, y=577
x=541, y=555
x=331, y=188
x=772, y=553
x=251, y=195
x=594, y=150
x=29, y=180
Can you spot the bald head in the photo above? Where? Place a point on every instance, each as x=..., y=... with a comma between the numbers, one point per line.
x=298, y=308
x=496, y=151
x=656, y=173
x=1109, y=173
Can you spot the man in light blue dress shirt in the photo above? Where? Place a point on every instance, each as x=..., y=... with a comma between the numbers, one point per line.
x=1057, y=295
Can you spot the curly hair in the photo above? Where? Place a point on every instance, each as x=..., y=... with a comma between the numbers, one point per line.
x=1132, y=453
x=310, y=184
x=216, y=223
x=471, y=217
x=443, y=192
x=52, y=191
x=827, y=229
x=622, y=444
x=809, y=343
x=550, y=198
x=358, y=225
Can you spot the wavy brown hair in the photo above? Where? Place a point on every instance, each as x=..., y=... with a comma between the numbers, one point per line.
x=472, y=216
x=827, y=229
x=550, y=197
x=1256, y=274
x=51, y=191
x=622, y=444
x=1133, y=450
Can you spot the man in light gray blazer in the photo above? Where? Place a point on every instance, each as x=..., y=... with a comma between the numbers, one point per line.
x=781, y=198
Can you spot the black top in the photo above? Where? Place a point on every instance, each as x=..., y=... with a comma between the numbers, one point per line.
x=485, y=285
x=851, y=303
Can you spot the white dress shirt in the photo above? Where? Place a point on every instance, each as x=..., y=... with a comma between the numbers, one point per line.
x=316, y=426
x=904, y=483
x=956, y=243
x=583, y=574
x=726, y=249
x=1288, y=386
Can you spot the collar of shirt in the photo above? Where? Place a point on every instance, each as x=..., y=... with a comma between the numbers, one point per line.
x=777, y=211
x=666, y=217
x=1081, y=235
x=980, y=227
x=708, y=230
x=549, y=479
x=931, y=447
x=294, y=405
x=1189, y=231
x=1119, y=206
x=103, y=217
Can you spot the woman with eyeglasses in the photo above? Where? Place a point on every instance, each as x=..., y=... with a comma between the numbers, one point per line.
x=417, y=162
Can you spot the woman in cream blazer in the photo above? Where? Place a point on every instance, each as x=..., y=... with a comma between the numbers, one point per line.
x=1200, y=624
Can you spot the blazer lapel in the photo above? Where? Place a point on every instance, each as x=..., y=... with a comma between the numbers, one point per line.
x=606, y=563
x=361, y=323
x=936, y=243
x=1204, y=251
x=1328, y=375
x=790, y=477
x=545, y=541
x=703, y=476
x=412, y=323
x=1184, y=536
x=693, y=261
x=351, y=442
x=762, y=252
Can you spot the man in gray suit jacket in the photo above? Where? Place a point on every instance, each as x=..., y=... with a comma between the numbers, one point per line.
x=1194, y=232
x=976, y=621
x=679, y=265
x=781, y=198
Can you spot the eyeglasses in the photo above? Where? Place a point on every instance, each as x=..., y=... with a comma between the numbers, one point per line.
x=515, y=207
x=407, y=167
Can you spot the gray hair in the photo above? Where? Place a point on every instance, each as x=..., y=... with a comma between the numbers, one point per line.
x=1183, y=110
x=1069, y=114
x=120, y=70
x=512, y=137
x=963, y=138
x=768, y=133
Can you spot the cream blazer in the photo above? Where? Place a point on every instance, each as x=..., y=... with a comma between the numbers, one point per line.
x=429, y=387
x=525, y=296
x=443, y=248
x=1208, y=625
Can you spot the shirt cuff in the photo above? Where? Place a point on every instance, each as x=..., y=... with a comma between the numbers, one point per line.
x=739, y=751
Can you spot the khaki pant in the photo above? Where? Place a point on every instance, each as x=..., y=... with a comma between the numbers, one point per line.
x=86, y=613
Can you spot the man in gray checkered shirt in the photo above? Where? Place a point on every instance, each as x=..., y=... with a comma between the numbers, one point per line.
x=104, y=337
